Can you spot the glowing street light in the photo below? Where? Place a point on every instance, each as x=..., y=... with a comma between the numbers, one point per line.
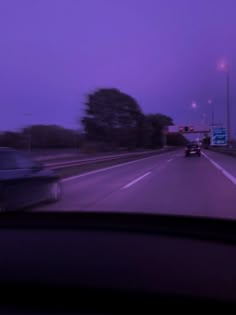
x=194, y=105
x=223, y=65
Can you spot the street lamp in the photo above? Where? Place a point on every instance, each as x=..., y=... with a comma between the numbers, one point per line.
x=212, y=111
x=194, y=105
x=224, y=66
x=204, y=118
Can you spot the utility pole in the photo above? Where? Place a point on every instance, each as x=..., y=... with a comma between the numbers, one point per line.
x=210, y=102
x=224, y=66
x=228, y=103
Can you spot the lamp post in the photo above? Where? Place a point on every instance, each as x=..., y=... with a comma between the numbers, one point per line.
x=194, y=107
x=204, y=118
x=224, y=66
x=210, y=102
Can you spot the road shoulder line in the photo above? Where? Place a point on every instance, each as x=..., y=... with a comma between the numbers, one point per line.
x=220, y=168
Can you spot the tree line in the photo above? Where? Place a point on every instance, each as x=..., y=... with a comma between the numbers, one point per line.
x=116, y=120
x=112, y=120
x=41, y=137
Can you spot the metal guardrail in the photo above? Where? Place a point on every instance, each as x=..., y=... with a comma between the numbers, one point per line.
x=53, y=157
x=66, y=164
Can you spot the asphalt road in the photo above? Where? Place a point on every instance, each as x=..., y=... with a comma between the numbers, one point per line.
x=168, y=183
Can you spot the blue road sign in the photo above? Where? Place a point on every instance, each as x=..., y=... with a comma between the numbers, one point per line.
x=218, y=136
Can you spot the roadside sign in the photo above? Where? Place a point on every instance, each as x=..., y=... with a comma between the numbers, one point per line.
x=189, y=129
x=219, y=136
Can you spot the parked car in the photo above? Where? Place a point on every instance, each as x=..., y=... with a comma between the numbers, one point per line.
x=25, y=182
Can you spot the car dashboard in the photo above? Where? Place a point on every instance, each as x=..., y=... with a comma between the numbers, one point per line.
x=56, y=262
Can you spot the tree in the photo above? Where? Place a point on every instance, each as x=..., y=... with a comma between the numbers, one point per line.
x=12, y=139
x=176, y=139
x=155, y=125
x=206, y=142
x=112, y=117
x=51, y=136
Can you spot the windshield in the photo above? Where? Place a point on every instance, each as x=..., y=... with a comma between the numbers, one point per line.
x=119, y=106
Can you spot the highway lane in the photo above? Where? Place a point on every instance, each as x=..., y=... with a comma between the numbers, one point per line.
x=84, y=191
x=167, y=183
x=228, y=162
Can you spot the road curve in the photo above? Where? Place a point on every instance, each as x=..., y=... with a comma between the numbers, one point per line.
x=168, y=183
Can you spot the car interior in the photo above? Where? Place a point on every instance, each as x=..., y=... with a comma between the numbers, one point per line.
x=76, y=263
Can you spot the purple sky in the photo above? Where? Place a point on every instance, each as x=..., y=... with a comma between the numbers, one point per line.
x=162, y=52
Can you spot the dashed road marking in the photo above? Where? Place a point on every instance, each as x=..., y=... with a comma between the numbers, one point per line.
x=136, y=180
x=111, y=167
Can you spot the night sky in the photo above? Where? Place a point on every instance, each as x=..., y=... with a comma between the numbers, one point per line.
x=162, y=52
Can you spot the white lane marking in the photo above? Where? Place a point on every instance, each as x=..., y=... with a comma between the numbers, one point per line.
x=110, y=168
x=136, y=180
x=169, y=160
x=220, y=168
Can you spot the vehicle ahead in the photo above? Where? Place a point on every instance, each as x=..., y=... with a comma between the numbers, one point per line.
x=24, y=182
x=193, y=148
